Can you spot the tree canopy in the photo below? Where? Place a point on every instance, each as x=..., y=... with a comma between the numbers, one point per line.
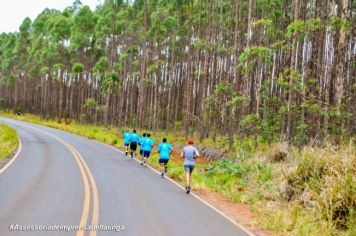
x=282, y=69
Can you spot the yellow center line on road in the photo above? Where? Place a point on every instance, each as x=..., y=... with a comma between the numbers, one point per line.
x=95, y=214
x=88, y=180
x=86, y=206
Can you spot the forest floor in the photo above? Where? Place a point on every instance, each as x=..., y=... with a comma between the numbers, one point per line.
x=273, y=189
x=8, y=144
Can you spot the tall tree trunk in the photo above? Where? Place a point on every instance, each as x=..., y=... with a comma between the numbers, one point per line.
x=141, y=95
x=341, y=57
x=292, y=68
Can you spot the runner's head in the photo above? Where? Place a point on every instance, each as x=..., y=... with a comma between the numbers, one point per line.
x=144, y=134
x=134, y=131
x=164, y=140
x=127, y=130
x=190, y=141
x=148, y=135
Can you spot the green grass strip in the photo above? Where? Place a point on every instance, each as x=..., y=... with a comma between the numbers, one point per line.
x=8, y=141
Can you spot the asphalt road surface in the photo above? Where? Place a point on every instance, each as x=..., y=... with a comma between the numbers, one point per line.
x=59, y=181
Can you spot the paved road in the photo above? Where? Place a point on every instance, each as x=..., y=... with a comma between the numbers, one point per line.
x=63, y=179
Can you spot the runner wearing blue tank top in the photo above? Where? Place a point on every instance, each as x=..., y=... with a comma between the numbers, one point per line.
x=189, y=153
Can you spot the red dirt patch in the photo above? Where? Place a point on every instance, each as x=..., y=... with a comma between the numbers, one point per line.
x=239, y=212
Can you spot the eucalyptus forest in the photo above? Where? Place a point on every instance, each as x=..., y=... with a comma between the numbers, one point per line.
x=282, y=69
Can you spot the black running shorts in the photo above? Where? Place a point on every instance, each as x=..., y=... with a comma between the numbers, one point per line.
x=164, y=161
x=133, y=146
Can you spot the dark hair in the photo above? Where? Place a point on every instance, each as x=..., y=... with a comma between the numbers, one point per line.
x=134, y=131
x=148, y=135
x=164, y=140
x=144, y=134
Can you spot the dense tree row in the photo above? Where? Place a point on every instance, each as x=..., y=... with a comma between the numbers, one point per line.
x=278, y=68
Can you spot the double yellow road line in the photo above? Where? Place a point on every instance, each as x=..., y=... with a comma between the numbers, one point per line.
x=90, y=188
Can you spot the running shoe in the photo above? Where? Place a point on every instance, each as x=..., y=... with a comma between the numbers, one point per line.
x=162, y=175
x=187, y=189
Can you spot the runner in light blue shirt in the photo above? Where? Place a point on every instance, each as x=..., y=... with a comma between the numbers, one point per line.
x=126, y=136
x=134, y=138
x=165, y=150
x=147, y=148
x=140, y=142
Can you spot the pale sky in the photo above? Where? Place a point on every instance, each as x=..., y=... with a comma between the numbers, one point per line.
x=13, y=12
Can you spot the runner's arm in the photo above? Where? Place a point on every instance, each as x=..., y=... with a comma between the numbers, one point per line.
x=197, y=154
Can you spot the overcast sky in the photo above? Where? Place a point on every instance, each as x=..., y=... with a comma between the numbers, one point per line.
x=13, y=12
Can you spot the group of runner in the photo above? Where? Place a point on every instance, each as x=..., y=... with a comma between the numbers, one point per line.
x=165, y=149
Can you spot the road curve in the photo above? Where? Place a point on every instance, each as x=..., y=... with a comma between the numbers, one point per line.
x=63, y=179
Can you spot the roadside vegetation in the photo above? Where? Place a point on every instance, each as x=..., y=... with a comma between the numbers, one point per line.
x=266, y=88
x=291, y=191
x=8, y=141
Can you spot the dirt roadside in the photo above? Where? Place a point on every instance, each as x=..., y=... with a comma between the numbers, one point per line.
x=241, y=213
